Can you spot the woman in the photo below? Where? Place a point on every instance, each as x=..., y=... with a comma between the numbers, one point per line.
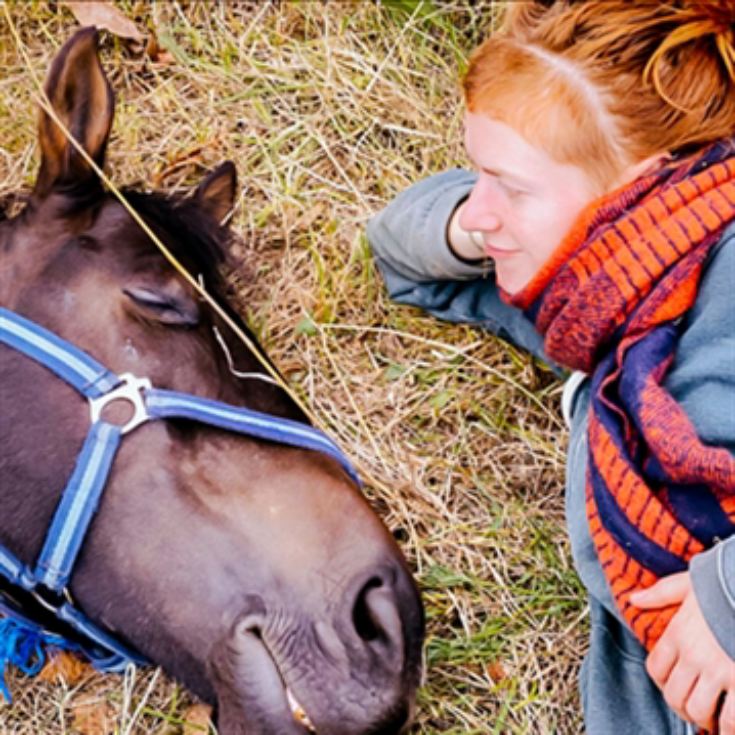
x=598, y=232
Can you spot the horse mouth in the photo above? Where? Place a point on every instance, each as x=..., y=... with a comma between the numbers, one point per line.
x=253, y=693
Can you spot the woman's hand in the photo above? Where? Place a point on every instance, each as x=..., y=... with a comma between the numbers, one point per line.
x=690, y=667
x=465, y=245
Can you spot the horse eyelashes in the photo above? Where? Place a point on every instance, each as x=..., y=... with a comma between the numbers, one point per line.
x=163, y=307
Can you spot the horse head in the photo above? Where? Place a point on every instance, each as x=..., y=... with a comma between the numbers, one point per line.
x=253, y=572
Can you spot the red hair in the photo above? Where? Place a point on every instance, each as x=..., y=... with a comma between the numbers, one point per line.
x=604, y=86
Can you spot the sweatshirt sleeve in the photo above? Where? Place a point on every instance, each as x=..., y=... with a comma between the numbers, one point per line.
x=409, y=236
x=409, y=241
x=713, y=580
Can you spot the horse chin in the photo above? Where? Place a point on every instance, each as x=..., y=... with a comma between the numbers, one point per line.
x=252, y=698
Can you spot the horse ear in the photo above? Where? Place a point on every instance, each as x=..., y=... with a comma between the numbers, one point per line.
x=82, y=98
x=216, y=194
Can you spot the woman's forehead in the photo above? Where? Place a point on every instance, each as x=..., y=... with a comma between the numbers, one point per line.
x=496, y=147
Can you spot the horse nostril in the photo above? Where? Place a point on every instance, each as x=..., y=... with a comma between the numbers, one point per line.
x=362, y=615
x=376, y=617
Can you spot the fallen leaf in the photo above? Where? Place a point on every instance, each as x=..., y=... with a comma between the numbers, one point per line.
x=93, y=718
x=197, y=719
x=156, y=53
x=496, y=671
x=66, y=666
x=103, y=14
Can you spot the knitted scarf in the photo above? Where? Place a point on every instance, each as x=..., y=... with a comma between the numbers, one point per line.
x=609, y=302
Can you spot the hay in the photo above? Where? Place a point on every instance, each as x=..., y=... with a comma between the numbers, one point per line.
x=328, y=110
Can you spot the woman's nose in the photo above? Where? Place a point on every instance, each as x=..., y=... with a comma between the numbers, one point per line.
x=481, y=210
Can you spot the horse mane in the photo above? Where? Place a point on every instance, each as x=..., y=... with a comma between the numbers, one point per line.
x=194, y=237
x=197, y=241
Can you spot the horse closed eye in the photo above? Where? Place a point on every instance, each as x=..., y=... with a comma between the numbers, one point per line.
x=166, y=308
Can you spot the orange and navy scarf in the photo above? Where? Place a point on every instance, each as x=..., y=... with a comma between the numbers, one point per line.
x=609, y=302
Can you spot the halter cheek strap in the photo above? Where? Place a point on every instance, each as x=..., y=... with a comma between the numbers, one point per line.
x=83, y=491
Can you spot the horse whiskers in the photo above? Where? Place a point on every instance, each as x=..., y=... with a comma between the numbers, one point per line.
x=231, y=366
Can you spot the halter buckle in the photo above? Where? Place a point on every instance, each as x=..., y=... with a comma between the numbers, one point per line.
x=44, y=599
x=130, y=390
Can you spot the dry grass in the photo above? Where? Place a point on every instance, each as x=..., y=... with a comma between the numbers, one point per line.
x=328, y=110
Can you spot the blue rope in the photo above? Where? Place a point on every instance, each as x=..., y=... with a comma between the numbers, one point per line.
x=23, y=645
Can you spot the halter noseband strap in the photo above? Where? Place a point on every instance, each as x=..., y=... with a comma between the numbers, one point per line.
x=84, y=489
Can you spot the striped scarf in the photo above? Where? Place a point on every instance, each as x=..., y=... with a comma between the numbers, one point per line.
x=609, y=302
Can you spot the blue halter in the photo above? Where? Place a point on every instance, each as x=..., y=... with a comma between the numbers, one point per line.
x=21, y=640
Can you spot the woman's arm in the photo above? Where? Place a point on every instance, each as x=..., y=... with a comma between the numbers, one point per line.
x=694, y=661
x=702, y=380
x=713, y=581
x=409, y=239
x=409, y=236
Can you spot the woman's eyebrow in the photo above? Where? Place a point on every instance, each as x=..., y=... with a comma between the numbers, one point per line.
x=506, y=175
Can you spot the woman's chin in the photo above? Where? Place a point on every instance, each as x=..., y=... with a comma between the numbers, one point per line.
x=511, y=280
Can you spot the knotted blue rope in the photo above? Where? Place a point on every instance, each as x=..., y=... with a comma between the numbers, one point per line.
x=23, y=645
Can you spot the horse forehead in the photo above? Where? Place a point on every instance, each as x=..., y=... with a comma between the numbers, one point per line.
x=51, y=225
x=113, y=222
x=30, y=243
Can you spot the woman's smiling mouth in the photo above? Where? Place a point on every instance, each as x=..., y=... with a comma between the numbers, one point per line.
x=493, y=252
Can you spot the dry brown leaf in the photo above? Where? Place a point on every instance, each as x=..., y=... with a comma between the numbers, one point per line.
x=496, y=671
x=93, y=718
x=156, y=53
x=197, y=719
x=178, y=161
x=103, y=14
x=66, y=666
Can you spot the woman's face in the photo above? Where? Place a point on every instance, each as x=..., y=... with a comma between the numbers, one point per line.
x=524, y=201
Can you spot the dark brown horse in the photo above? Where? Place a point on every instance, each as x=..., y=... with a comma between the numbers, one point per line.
x=244, y=568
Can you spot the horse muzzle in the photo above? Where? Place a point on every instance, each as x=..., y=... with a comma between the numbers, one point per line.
x=345, y=676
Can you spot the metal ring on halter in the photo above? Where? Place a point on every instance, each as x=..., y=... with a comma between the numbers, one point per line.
x=64, y=596
x=130, y=390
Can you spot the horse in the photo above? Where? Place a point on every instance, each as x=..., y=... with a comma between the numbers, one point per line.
x=253, y=572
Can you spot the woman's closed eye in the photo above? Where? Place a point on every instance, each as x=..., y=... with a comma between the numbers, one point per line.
x=513, y=191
